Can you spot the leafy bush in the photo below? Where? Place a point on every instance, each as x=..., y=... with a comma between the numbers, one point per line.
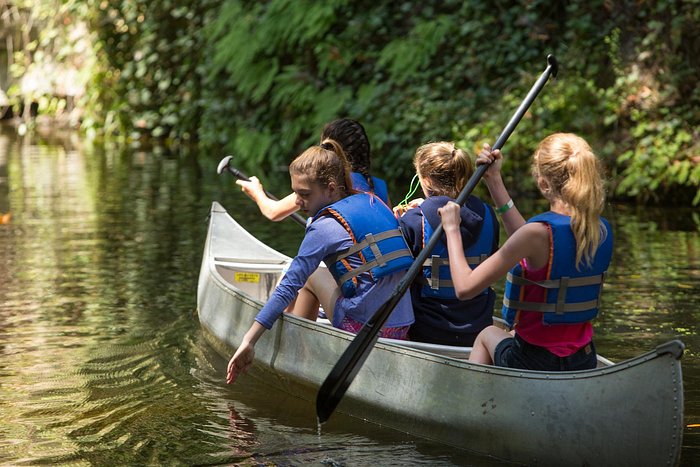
x=260, y=78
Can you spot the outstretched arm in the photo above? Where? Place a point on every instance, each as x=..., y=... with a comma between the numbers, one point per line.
x=273, y=210
x=243, y=358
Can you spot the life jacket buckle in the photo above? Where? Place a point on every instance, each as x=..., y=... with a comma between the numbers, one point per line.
x=435, y=272
x=372, y=243
x=561, y=296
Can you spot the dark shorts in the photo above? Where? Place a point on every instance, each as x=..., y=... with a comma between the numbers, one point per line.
x=514, y=352
x=442, y=337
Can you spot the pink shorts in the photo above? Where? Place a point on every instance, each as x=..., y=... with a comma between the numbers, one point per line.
x=350, y=325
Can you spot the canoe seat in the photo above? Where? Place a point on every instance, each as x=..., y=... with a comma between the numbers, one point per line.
x=461, y=353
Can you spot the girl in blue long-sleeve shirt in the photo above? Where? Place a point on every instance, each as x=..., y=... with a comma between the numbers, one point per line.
x=320, y=179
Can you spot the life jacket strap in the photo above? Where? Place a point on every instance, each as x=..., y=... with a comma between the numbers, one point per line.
x=435, y=282
x=558, y=283
x=562, y=284
x=477, y=259
x=435, y=273
x=432, y=283
x=551, y=307
x=437, y=261
x=382, y=259
x=370, y=240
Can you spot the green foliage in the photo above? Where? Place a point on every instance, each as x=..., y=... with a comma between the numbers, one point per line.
x=404, y=57
x=260, y=78
x=272, y=61
x=663, y=164
x=148, y=76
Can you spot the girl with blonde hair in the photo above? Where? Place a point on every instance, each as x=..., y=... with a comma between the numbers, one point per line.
x=441, y=318
x=554, y=263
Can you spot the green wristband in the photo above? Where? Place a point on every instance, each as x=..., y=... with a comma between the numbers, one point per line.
x=503, y=209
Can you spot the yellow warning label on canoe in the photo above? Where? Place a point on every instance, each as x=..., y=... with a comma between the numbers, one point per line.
x=247, y=277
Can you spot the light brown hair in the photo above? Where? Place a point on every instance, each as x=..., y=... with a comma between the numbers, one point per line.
x=324, y=164
x=445, y=167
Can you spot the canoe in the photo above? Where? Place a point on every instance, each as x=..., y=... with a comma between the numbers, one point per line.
x=626, y=413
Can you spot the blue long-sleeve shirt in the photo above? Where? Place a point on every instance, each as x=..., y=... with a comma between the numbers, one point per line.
x=325, y=236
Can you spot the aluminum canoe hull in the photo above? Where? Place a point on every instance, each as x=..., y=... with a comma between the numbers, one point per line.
x=628, y=413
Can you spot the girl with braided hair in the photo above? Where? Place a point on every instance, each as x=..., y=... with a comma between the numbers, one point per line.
x=352, y=137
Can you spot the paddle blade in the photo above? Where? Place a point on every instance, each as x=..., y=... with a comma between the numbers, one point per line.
x=338, y=380
x=343, y=373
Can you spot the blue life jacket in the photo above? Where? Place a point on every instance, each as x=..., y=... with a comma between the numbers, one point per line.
x=359, y=183
x=378, y=242
x=436, y=278
x=572, y=296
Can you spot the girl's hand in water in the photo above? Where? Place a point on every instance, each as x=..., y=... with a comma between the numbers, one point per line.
x=244, y=356
x=240, y=362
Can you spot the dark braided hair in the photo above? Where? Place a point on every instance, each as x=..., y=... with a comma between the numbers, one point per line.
x=353, y=139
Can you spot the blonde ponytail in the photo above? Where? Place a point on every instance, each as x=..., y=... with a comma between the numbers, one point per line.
x=573, y=173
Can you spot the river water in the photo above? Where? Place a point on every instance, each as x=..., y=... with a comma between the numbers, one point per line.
x=102, y=361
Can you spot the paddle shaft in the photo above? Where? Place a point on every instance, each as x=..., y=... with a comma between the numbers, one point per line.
x=338, y=380
x=241, y=176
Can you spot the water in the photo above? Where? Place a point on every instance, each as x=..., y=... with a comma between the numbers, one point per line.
x=102, y=361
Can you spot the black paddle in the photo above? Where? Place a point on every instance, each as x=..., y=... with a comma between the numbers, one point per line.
x=344, y=371
x=225, y=164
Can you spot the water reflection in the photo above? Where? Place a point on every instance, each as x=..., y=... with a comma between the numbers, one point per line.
x=274, y=428
x=652, y=295
x=101, y=357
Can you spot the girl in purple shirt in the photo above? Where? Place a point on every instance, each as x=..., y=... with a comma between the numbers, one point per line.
x=320, y=177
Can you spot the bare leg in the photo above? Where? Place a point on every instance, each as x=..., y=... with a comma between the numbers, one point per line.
x=319, y=288
x=290, y=307
x=485, y=344
x=305, y=305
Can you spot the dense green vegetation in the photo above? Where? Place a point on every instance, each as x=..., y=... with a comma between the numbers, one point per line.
x=259, y=79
